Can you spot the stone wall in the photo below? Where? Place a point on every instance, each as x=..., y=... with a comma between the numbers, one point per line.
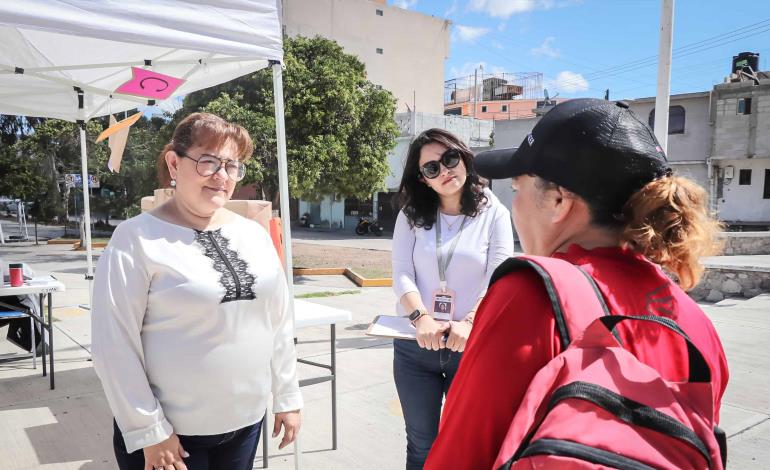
x=746, y=243
x=719, y=283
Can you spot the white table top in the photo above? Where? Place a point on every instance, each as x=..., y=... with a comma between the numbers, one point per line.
x=311, y=314
x=38, y=285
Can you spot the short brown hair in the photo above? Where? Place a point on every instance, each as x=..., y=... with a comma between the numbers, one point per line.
x=199, y=128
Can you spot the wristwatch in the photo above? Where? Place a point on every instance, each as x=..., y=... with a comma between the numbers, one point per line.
x=414, y=316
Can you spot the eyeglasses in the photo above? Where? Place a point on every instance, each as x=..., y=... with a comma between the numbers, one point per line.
x=450, y=159
x=207, y=165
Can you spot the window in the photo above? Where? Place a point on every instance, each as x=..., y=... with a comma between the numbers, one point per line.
x=675, y=119
x=483, y=109
x=379, y=12
x=766, y=193
x=744, y=178
x=379, y=50
x=744, y=106
x=505, y=108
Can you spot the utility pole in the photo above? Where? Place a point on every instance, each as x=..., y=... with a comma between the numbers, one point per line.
x=664, y=72
x=475, y=97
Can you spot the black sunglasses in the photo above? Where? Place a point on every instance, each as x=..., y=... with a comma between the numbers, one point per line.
x=450, y=159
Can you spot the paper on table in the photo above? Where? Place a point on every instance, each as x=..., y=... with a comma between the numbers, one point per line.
x=40, y=280
x=389, y=326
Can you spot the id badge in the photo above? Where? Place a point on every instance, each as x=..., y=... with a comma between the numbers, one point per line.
x=443, y=305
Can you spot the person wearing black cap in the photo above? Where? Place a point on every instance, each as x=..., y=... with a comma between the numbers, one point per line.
x=593, y=187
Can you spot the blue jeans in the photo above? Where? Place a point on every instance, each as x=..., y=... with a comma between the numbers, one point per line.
x=232, y=450
x=422, y=380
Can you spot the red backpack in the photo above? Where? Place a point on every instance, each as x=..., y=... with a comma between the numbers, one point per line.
x=596, y=405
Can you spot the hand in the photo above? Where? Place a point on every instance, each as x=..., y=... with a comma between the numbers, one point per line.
x=291, y=422
x=430, y=333
x=167, y=455
x=458, y=335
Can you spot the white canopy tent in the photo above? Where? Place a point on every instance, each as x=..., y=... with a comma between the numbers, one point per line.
x=65, y=58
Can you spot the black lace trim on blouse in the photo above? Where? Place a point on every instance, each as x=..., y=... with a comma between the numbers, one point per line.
x=233, y=270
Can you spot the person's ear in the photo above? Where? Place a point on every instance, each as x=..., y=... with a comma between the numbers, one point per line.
x=562, y=204
x=172, y=162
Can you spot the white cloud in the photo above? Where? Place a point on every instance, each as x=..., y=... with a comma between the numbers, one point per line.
x=506, y=8
x=466, y=69
x=497, y=45
x=405, y=4
x=567, y=82
x=495, y=69
x=546, y=49
x=469, y=33
x=503, y=8
x=501, y=26
x=452, y=9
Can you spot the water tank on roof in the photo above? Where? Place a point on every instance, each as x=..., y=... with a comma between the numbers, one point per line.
x=744, y=60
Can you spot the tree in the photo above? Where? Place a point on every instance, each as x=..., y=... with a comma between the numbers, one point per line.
x=339, y=126
x=122, y=192
x=22, y=178
x=36, y=163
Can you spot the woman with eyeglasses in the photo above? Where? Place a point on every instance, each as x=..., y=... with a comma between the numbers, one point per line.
x=450, y=235
x=191, y=324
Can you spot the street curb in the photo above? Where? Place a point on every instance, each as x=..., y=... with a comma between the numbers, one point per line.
x=76, y=246
x=62, y=241
x=357, y=279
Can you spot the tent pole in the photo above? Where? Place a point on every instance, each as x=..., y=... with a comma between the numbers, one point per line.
x=283, y=183
x=86, y=211
x=662, y=96
x=283, y=173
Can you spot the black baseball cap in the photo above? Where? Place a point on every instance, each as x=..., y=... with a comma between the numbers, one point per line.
x=598, y=149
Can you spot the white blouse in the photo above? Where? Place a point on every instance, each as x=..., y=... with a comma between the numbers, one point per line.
x=485, y=242
x=191, y=329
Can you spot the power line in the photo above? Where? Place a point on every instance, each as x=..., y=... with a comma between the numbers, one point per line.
x=687, y=50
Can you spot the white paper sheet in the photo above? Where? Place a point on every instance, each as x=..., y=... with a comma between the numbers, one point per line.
x=390, y=326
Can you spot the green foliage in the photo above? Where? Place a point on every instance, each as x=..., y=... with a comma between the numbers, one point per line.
x=121, y=193
x=44, y=150
x=339, y=126
x=262, y=168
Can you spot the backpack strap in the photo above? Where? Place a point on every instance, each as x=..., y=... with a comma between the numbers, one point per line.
x=575, y=298
x=699, y=368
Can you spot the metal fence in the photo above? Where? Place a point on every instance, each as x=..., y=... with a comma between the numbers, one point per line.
x=493, y=87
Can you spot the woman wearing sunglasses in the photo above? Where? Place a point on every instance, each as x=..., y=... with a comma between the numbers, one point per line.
x=450, y=235
x=191, y=327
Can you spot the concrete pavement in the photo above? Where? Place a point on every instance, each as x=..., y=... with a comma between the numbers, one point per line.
x=70, y=427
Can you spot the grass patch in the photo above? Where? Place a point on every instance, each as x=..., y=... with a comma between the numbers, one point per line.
x=373, y=272
x=326, y=293
x=371, y=264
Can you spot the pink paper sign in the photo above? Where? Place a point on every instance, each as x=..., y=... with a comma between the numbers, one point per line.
x=150, y=84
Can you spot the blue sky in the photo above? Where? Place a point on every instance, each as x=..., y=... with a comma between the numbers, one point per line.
x=583, y=47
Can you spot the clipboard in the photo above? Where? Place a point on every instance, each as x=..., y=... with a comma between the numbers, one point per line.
x=391, y=326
